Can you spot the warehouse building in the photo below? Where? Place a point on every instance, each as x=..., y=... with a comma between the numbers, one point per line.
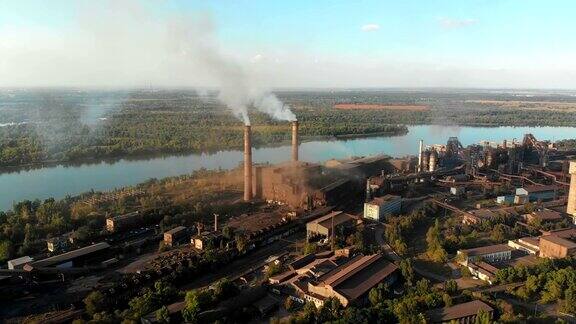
x=206, y=240
x=461, y=313
x=76, y=258
x=552, y=246
x=323, y=225
x=529, y=244
x=122, y=222
x=490, y=253
x=483, y=271
x=19, y=263
x=536, y=193
x=351, y=282
x=543, y=216
x=176, y=236
x=380, y=207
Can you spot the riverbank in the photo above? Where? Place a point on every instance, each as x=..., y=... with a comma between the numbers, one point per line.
x=153, y=155
x=60, y=181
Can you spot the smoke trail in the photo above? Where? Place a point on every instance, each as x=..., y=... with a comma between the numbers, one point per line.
x=271, y=105
x=127, y=44
x=236, y=90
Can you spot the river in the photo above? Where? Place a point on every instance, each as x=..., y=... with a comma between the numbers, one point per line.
x=59, y=181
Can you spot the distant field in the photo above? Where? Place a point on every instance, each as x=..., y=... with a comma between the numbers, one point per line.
x=529, y=105
x=382, y=107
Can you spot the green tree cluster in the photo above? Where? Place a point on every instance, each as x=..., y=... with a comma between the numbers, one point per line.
x=435, y=249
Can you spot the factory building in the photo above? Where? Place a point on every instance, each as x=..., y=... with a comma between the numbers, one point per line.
x=483, y=271
x=543, y=216
x=307, y=185
x=362, y=167
x=461, y=313
x=122, y=222
x=335, y=274
x=351, y=282
x=335, y=220
x=304, y=185
x=403, y=165
x=19, y=263
x=380, y=207
x=490, y=253
x=75, y=258
x=206, y=240
x=529, y=244
x=288, y=183
x=255, y=180
x=508, y=199
x=552, y=246
x=536, y=193
x=175, y=236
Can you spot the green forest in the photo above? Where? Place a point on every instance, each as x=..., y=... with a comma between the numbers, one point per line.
x=182, y=200
x=67, y=126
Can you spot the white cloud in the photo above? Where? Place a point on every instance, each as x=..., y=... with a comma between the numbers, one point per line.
x=450, y=23
x=370, y=27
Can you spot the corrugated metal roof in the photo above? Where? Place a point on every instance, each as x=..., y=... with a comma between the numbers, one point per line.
x=176, y=230
x=533, y=189
x=359, y=275
x=458, y=311
x=559, y=241
x=64, y=257
x=487, y=249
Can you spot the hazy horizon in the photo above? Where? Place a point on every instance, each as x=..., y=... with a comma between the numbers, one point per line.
x=510, y=44
x=570, y=91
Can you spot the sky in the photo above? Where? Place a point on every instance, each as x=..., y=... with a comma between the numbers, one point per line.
x=289, y=44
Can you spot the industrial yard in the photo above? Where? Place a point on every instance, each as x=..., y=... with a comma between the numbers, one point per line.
x=294, y=233
x=287, y=162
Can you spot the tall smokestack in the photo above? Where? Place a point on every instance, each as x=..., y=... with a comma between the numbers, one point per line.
x=295, y=141
x=247, y=163
x=420, y=151
x=571, y=208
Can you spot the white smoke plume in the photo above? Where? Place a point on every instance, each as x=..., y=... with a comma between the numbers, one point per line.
x=195, y=39
x=126, y=44
x=271, y=105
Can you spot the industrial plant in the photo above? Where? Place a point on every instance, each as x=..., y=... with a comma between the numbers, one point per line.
x=339, y=213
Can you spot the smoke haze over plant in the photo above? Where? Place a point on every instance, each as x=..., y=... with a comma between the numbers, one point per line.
x=128, y=43
x=122, y=44
x=194, y=39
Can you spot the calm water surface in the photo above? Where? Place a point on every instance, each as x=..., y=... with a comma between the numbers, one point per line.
x=59, y=181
